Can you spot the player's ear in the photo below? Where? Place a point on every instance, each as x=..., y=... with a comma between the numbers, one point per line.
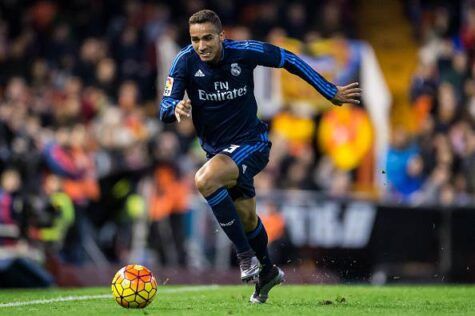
x=221, y=36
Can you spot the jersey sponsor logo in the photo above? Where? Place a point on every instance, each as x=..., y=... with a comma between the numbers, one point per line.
x=199, y=73
x=227, y=224
x=168, y=87
x=235, y=69
x=222, y=95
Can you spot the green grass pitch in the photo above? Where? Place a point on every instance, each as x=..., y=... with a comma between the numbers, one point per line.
x=233, y=300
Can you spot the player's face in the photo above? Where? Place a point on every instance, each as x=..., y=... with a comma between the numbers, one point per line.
x=207, y=41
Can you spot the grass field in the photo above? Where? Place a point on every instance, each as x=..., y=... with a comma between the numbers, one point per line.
x=233, y=300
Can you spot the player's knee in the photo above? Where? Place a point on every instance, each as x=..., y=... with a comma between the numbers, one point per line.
x=200, y=181
x=205, y=183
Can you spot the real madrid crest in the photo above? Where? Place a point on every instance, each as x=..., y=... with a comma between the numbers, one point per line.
x=235, y=69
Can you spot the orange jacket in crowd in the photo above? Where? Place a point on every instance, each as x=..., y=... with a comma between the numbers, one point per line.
x=170, y=194
x=86, y=187
x=274, y=223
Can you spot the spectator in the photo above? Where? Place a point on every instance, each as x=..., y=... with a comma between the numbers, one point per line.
x=404, y=166
x=468, y=162
x=10, y=220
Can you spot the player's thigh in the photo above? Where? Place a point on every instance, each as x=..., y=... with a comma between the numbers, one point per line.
x=250, y=161
x=220, y=170
x=246, y=208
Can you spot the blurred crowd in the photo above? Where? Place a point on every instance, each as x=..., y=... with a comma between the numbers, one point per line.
x=83, y=157
x=434, y=162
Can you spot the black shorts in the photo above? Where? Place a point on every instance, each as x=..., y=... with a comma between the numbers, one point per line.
x=251, y=158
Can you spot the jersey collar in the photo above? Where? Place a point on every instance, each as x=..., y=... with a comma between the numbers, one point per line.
x=222, y=52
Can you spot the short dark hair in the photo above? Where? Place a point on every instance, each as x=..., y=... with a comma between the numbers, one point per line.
x=205, y=16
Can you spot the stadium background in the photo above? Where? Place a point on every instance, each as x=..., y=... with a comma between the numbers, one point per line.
x=92, y=180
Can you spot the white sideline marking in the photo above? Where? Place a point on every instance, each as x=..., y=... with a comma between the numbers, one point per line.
x=104, y=296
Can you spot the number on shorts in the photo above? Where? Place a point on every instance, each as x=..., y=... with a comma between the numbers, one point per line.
x=231, y=148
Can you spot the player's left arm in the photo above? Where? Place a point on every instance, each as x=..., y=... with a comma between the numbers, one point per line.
x=269, y=55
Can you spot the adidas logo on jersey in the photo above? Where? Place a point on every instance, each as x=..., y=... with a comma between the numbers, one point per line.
x=244, y=168
x=199, y=73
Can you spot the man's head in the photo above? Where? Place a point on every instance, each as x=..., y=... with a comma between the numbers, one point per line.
x=207, y=35
x=10, y=180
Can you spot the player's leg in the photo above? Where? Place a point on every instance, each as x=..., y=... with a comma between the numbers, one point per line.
x=251, y=161
x=212, y=180
x=270, y=274
x=255, y=230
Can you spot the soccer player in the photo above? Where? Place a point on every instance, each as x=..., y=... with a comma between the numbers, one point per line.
x=217, y=75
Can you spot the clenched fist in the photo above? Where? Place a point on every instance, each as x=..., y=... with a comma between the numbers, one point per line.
x=183, y=109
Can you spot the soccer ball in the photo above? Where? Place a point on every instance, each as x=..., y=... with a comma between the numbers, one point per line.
x=134, y=286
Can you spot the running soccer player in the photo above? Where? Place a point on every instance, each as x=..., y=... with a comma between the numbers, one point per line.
x=217, y=75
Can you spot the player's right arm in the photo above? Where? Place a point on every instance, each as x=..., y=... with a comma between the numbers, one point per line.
x=173, y=107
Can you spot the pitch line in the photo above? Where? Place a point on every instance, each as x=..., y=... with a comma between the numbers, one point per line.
x=104, y=296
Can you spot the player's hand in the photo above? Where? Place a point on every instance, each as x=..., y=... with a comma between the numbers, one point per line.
x=183, y=109
x=347, y=94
